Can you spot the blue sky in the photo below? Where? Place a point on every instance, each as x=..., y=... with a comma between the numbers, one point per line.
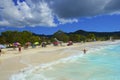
x=49, y=16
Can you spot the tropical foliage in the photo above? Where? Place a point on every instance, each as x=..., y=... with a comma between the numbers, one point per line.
x=9, y=37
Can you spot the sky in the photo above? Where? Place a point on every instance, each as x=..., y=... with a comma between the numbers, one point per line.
x=49, y=16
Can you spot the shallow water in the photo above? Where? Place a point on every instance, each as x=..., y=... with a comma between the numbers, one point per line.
x=100, y=63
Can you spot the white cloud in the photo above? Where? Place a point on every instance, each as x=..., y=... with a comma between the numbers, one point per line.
x=25, y=10
x=43, y=12
x=23, y=15
x=64, y=21
x=4, y=23
x=115, y=13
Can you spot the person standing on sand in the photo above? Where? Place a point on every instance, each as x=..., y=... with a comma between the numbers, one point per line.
x=0, y=51
x=19, y=48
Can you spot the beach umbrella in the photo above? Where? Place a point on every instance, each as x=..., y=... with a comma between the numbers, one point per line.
x=2, y=46
x=28, y=43
x=16, y=44
x=36, y=43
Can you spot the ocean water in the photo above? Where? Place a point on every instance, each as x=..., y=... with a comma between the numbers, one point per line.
x=100, y=63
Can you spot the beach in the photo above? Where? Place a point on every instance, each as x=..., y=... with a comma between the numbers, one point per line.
x=59, y=40
x=12, y=61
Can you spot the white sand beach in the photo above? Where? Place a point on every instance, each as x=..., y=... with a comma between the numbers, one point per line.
x=13, y=61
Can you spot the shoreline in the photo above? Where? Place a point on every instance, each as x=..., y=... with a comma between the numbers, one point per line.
x=13, y=61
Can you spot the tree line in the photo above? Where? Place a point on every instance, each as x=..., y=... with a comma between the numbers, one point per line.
x=9, y=37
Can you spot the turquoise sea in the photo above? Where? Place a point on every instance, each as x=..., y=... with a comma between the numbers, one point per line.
x=100, y=63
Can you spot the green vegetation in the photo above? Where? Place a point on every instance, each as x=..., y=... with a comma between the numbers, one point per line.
x=60, y=35
x=10, y=37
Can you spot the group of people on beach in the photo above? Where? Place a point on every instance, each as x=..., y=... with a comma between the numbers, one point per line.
x=43, y=45
x=19, y=49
